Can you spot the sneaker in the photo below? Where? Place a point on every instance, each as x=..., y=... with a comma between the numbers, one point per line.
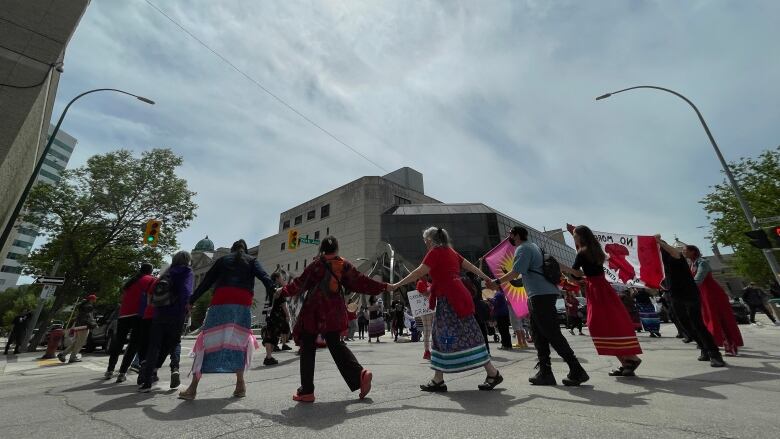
x=175, y=379
x=121, y=378
x=74, y=359
x=365, y=382
x=427, y=355
x=270, y=361
x=135, y=368
x=61, y=357
x=145, y=388
x=276, y=349
x=108, y=375
x=286, y=347
x=652, y=335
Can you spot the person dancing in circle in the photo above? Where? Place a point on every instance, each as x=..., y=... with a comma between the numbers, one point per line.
x=608, y=321
x=458, y=344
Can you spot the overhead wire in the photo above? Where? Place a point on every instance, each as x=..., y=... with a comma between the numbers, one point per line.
x=263, y=88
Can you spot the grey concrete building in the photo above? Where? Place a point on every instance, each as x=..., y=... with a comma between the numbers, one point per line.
x=23, y=236
x=33, y=38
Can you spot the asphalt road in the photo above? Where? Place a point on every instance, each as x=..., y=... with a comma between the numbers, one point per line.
x=675, y=396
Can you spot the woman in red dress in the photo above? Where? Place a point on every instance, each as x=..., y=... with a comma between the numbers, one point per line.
x=608, y=321
x=715, y=306
x=324, y=312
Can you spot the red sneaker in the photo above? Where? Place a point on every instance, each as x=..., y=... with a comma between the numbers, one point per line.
x=306, y=397
x=427, y=355
x=365, y=382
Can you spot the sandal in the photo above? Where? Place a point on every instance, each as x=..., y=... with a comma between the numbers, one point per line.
x=240, y=392
x=491, y=382
x=187, y=395
x=631, y=366
x=435, y=387
x=617, y=372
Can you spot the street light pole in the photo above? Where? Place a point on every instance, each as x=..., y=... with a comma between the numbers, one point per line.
x=770, y=257
x=31, y=181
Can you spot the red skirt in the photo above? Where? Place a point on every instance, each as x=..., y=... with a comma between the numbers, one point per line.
x=608, y=321
x=718, y=316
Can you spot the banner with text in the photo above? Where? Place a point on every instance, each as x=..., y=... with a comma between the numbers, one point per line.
x=419, y=304
x=632, y=260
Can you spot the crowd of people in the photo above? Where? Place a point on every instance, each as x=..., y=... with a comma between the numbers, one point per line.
x=322, y=308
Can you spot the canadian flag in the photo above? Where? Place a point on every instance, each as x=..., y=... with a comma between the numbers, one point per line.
x=632, y=260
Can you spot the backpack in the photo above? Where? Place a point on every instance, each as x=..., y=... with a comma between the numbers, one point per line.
x=331, y=282
x=551, y=269
x=162, y=294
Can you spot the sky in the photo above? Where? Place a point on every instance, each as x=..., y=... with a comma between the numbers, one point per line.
x=493, y=101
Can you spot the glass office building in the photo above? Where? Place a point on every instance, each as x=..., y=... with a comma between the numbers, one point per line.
x=474, y=229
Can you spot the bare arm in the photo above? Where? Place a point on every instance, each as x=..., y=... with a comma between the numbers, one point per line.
x=572, y=271
x=468, y=266
x=418, y=272
x=675, y=253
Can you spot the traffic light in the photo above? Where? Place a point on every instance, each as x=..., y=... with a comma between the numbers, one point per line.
x=292, y=239
x=774, y=236
x=152, y=233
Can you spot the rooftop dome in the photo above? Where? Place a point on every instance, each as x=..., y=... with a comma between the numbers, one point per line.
x=204, y=245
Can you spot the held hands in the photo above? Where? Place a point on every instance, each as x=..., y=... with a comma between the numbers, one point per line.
x=391, y=287
x=492, y=284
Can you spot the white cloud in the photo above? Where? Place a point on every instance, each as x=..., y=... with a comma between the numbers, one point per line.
x=492, y=101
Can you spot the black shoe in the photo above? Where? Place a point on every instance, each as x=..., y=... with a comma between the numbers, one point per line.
x=704, y=356
x=491, y=382
x=145, y=388
x=61, y=357
x=544, y=377
x=434, y=387
x=576, y=376
x=270, y=361
x=175, y=379
x=652, y=335
x=679, y=336
x=286, y=348
x=717, y=361
x=155, y=378
x=686, y=340
x=276, y=349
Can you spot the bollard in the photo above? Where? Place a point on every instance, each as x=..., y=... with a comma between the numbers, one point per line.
x=55, y=337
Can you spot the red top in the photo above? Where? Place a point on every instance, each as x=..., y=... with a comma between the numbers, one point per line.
x=351, y=315
x=149, y=310
x=445, y=266
x=325, y=311
x=132, y=296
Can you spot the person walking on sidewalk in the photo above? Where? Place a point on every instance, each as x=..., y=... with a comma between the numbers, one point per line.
x=85, y=321
x=458, y=344
x=324, y=282
x=133, y=297
x=754, y=298
x=608, y=321
x=542, y=295
x=684, y=297
x=226, y=342
x=277, y=320
x=171, y=299
x=16, y=337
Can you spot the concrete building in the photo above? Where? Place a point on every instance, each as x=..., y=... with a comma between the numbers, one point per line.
x=23, y=236
x=33, y=38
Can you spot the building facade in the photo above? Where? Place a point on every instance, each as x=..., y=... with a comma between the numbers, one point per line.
x=23, y=235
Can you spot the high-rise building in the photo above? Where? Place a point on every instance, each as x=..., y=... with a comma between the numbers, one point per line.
x=23, y=236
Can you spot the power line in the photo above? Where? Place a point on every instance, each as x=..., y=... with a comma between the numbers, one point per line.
x=267, y=91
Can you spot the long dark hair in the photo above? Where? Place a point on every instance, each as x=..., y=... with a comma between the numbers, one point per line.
x=695, y=250
x=146, y=268
x=329, y=246
x=239, y=249
x=589, y=245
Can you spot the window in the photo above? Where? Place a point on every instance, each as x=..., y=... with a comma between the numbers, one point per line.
x=283, y=244
x=298, y=219
x=325, y=211
x=286, y=225
x=327, y=231
x=317, y=234
x=49, y=175
x=9, y=269
x=296, y=265
x=311, y=215
x=22, y=244
x=401, y=200
x=28, y=231
x=304, y=263
x=54, y=153
x=12, y=255
x=63, y=145
x=54, y=165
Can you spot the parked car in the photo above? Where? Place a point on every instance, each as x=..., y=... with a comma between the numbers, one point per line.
x=103, y=334
x=741, y=312
x=560, y=307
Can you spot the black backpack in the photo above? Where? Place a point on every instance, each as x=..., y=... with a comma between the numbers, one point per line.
x=163, y=295
x=551, y=269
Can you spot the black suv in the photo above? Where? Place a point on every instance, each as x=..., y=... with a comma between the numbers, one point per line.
x=103, y=335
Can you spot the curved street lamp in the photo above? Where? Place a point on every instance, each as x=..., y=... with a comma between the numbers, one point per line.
x=770, y=258
x=31, y=181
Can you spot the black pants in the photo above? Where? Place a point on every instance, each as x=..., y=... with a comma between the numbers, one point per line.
x=144, y=332
x=16, y=337
x=755, y=308
x=546, y=330
x=345, y=361
x=164, y=335
x=676, y=320
x=574, y=322
x=689, y=314
x=124, y=326
x=483, y=327
x=502, y=322
x=362, y=326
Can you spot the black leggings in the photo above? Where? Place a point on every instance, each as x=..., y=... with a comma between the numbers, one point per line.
x=502, y=322
x=689, y=314
x=345, y=361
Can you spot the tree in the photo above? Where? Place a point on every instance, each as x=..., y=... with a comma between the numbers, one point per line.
x=15, y=300
x=759, y=180
x=95, y=217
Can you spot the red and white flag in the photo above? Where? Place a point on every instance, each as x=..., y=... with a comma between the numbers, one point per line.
x=632, y=260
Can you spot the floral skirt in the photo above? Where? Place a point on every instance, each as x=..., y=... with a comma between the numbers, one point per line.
x=458, y=344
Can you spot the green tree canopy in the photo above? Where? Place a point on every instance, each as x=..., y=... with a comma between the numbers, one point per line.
x=95, y=217
x=759, y=179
